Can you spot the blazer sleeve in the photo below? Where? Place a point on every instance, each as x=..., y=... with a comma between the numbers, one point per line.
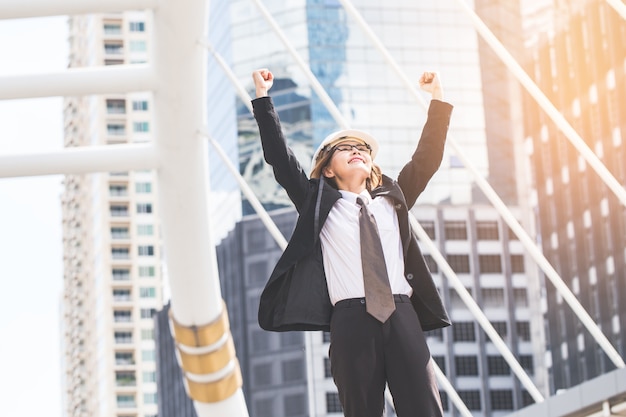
x=427, y=157
x=287, y=170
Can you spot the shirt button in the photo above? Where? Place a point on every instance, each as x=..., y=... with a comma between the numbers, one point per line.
x=409, y=276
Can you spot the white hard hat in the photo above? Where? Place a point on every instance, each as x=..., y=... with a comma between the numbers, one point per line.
x=345, y=134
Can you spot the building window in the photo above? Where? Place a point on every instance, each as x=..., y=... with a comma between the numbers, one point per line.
x=137, y=26
x=113, y=48
x=113, y=62
x=444, y=400
x=125, y=401
x=146, y=271
x=117, y=210
x=332, y=403
x=147, y=355
x=471, y=399
x=294, y=405
x=138, y=46
x=143, y=187
x=429, y=228
x=441, y=363
x=432, y=265
x=490, y=264
x=147, y=334
x=119, y=233
x=122, y=316
x=121, y=274
x=150, y=398
x=123, y=337
x=526, y=362
x=487, y=230
x=147, y=292
x=149, y=376
x=493, y=297
x=466, y=365
x=455, y=299
x=121, y=295
x=125, y=379
x=145, y=250
x=145, y=230
x=255, y=239
x=124, y=358
x=257, y=273
x=147, y=313
x=140, y=105
x=120, y=253
x=464, y=332
x=141, y=127
x=520, y=296
x=264, y=407
x=262, y=375
x=327, y=370
x=325, y=337
x=455, y=230
x=496, y=365
x=116, y=106
x=260, y=341
x=144, y=208
x=436, y=334
x=523, y=330
x=293, y=370
x=459, y=263
x=112, y=29
x=501, y=399
x=290, y=339
x=517, y=264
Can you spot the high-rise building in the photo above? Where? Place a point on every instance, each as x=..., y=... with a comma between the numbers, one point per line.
x=581, y=66
x=112, y=255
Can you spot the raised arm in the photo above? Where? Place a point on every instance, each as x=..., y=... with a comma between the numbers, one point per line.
x=287, y=170
x=427, y=157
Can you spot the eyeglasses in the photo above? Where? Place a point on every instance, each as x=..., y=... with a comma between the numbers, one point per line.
x=346, y=147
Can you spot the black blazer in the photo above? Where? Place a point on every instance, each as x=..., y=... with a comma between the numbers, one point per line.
x=296, y=295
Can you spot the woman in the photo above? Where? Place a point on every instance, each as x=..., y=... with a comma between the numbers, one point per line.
x=321, y=281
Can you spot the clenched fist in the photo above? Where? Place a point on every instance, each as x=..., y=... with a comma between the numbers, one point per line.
x=430, y=82
x=263, y=81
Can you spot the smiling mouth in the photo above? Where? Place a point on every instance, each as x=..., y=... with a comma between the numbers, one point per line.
x=356, y=159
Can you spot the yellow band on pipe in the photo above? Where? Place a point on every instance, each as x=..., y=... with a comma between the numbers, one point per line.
x=199, y=336
x=210, y=362
x=212, y=392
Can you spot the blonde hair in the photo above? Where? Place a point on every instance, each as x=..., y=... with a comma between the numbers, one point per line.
x=323, y=160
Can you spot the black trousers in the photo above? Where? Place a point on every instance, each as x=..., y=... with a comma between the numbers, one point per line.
x=365, y=354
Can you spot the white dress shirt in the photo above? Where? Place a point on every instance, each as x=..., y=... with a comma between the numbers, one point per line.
x=341, y=246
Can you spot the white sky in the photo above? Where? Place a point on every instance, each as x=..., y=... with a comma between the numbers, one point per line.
x=30, y=228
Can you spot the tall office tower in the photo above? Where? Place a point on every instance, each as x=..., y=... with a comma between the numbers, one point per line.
x=580, y=66
x=112, y=282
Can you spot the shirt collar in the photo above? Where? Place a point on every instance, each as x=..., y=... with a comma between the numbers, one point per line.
x=350, y=196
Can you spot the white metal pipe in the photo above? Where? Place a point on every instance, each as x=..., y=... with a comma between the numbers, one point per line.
x=477, y=312
x=183, y=175
x=241, y=91
x=448, y=388
x=502, y=209
x=19, y=9
x=81, y=160
x=554, y=114
x=315, y=84
x=618, y=6
x=79, y=82
x=247, y=191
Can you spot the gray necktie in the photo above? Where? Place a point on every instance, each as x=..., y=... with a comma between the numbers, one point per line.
x=378, y=298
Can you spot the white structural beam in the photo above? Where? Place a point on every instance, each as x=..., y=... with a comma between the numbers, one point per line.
x=79, y=82
x=557, y=117
x=20, y=9
x=499, y=205
x=81, y=160
x=315, y=84
x=197, y=308
x=619, y=7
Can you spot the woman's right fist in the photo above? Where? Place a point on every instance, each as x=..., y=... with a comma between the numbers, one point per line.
x=263, y=81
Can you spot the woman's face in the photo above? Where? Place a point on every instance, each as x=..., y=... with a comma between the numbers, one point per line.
x=351, y=161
